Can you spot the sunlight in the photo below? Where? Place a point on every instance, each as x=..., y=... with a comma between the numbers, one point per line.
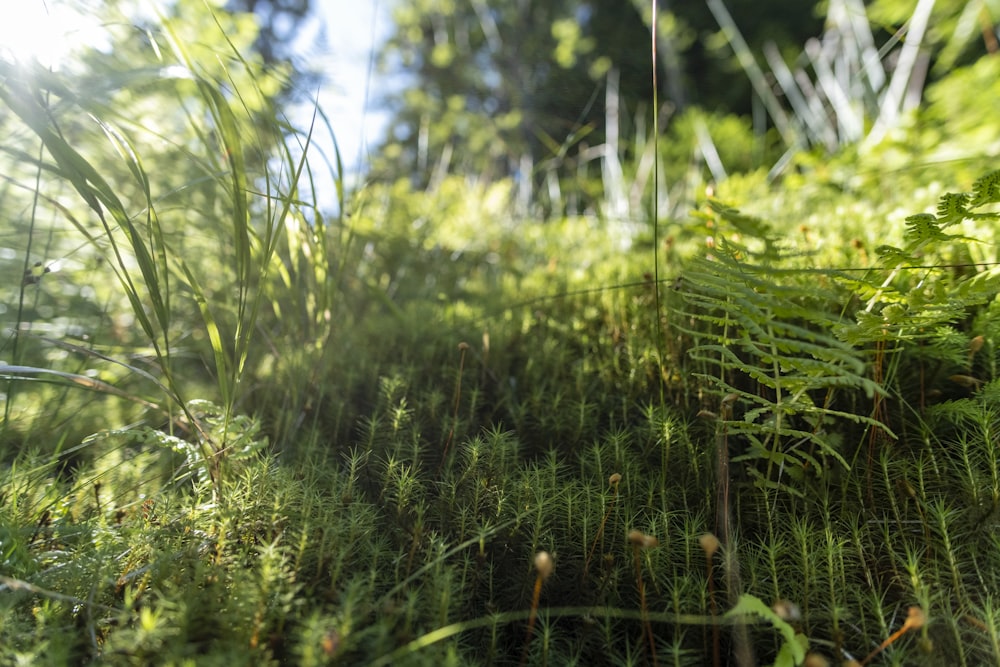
x=46, y=31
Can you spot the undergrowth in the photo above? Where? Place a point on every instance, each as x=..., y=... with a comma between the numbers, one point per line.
x=444, y=443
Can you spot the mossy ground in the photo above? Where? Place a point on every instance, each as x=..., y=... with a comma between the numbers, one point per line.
x=410, y=493
x=419, y=395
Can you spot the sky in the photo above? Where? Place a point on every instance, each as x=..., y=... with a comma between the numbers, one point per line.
x=353, y=29
x=45, y=31
x=49, y=30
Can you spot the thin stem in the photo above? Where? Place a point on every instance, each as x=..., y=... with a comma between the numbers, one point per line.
x=463, y=347
x=660, y=346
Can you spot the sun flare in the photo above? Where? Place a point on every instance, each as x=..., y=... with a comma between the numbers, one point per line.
x=46, y=31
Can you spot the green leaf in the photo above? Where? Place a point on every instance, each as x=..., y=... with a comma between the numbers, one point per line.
x=923, y=227
x=953, y=208
x=793, y=650
x=986, y=190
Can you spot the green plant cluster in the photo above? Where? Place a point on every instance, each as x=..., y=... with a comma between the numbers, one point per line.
x=427, y=431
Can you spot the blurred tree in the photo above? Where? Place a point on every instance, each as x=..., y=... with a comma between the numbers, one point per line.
x=959, y=31
x=712, y=75
x=507, y=88
x=280, y=26
x=279, y=22
x=557, y=94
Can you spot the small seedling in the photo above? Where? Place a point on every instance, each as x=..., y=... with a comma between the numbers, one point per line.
x=641, y=541
x=614, y=480
x=710, y=544
x=975, y=345
x=544, y=567
x=915, y=619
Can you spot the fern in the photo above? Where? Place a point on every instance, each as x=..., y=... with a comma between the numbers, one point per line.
x=769, y=347
x=919, y=287
x=986, y=190
x=953, y=208
x=924, y=228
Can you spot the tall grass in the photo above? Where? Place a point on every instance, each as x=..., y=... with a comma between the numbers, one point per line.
x=245, y=159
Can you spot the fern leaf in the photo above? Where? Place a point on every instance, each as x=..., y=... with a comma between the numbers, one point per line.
x=952, y=208
x=769, y=339
x=986, y=190
x=892, y=256
x=923, y=228
x=743, y=223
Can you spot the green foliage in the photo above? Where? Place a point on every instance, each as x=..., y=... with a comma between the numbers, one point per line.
x=411, y=401
x=143, y=240
x=793, y=651
x=960, y=29
x=768, y=351
x=933, y=279
x=565, y=107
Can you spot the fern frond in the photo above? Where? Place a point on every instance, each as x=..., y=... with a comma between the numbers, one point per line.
x=891, y=256
x=923, y=228
x=769, y=340
x=742, y=222
x=986, y=190
x=953, y=208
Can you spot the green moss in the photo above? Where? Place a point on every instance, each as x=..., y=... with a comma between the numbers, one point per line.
x=411, y=402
